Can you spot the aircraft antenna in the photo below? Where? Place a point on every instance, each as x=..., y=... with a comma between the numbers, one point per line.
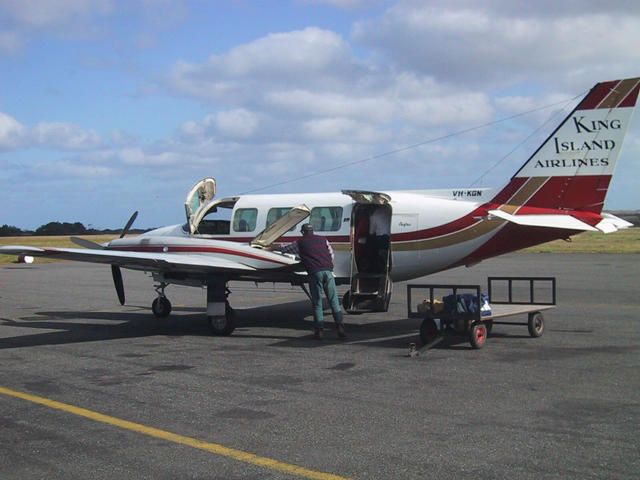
x=419, y=144
x=526, y=139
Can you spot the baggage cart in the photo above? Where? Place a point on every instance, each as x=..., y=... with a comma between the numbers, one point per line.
x=508, y=296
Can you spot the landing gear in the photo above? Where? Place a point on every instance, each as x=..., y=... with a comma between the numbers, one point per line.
x=161, y=306
x=223, y=325
x=219, y=312
x=220, y=315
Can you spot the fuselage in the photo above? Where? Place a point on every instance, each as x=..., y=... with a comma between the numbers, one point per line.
x=429, y=230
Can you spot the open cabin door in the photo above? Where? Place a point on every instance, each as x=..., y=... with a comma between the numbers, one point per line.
x=370, y=252
x=200, y=195
x=281, y=226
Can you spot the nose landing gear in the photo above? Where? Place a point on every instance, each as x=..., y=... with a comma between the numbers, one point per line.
x=161, y=306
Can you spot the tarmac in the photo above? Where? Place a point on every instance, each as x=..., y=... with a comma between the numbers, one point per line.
x=92, y=389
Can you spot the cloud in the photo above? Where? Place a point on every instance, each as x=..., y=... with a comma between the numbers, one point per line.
x=55, y=135
x=23, y=21
x=13, y=134
x=47, y=13
x=70, y=169
x=65, y=136
x=473, y=43
x=11, y=42
x=311, y=57
x=308, y=86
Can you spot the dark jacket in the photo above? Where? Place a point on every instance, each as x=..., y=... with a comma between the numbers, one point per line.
x=314, y=253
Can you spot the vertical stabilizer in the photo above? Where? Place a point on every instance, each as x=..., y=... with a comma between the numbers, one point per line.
x=572, y=169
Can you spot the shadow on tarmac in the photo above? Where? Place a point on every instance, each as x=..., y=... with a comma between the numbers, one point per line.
x=258, y=322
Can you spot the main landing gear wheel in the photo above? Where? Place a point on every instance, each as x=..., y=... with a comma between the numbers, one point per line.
x=428, y=331
x=223, y=325
x=161, y=307
x=478, y=335
x=535, y=324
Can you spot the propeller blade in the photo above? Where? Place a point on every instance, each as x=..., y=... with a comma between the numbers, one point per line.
x=117, y=281
x=129, y=223
x=83, y=242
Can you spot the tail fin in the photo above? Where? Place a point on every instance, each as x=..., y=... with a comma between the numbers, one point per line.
x=572, y=169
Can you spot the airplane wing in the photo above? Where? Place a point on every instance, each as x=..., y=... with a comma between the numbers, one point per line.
x=154, y=262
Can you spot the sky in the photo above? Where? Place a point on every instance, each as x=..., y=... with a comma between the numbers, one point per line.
x=112, y=106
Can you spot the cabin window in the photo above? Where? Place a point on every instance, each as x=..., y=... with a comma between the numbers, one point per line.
x=326, y=219
x=275, y=213
x=244, y=220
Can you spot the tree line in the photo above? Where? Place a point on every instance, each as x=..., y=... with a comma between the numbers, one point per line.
x=59, y=228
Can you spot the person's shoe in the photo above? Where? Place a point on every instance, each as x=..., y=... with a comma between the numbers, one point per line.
x=341, y=332
x=317, y=333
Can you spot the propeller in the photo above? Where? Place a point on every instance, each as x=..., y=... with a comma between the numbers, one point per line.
x=115, y=269
x=83, y=242
x=117, y=282
x=129, y=223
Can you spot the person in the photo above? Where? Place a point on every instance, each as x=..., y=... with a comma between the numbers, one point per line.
x=317, y=257
x=379, y=236
x=361, y=232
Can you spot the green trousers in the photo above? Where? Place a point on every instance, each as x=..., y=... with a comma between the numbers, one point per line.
x=318, y=282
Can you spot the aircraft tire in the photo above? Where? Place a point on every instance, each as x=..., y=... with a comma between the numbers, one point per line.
x=478, y=335
x=428, y=331
x=535, y=324
x=161, y=307
x=223, y=325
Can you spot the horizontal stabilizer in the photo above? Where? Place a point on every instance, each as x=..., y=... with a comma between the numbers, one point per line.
x=551, y=221
x=611, y=223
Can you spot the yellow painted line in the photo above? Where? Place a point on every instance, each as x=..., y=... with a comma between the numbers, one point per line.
x=175, y=438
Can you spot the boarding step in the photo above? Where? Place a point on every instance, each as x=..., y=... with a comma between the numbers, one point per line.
x=367, y=283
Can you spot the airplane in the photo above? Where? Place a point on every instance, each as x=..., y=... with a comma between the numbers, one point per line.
x=558, y=192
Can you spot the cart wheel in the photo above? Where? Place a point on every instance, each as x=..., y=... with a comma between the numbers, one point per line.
x=428, y=331
x=536, y=324
x=478, y=335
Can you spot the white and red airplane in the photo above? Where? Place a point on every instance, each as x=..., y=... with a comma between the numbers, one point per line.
x=557, y=193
